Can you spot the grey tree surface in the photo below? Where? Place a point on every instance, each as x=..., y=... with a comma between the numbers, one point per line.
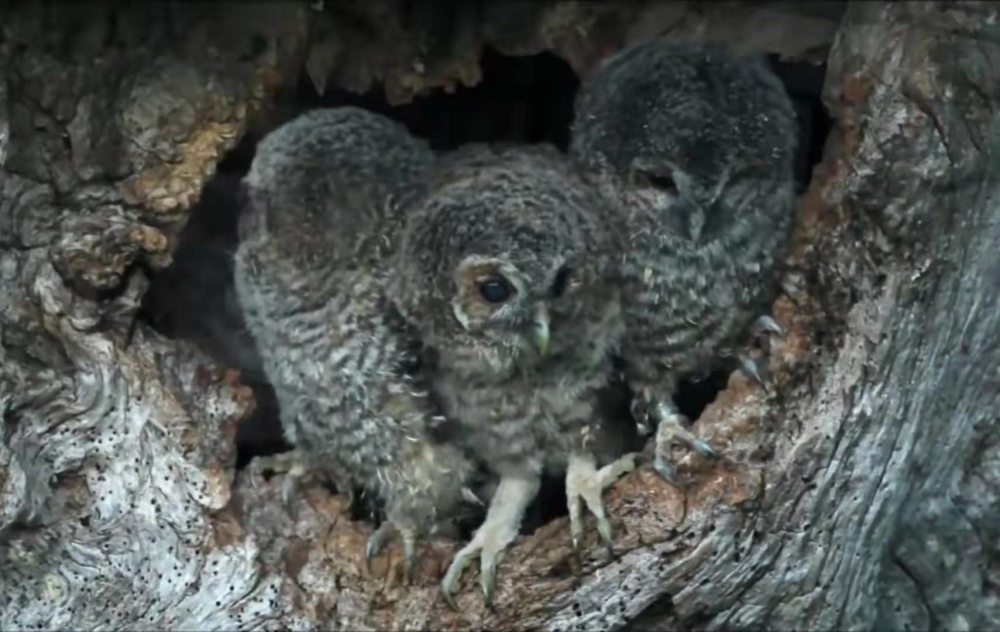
x=863, y=493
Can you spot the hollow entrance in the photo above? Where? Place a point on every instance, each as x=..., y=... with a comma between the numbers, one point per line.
x=520, y=99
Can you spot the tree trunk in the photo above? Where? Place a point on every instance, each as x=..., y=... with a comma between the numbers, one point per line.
x=862, y=492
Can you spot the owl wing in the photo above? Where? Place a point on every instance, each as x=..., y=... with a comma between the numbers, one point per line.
x=323, y=201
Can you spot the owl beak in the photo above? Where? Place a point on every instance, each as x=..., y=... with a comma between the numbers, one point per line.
x=541, y=329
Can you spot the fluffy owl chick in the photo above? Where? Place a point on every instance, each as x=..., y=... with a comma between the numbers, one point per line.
x=502, y=272
x=696, y=145
x=324, y=200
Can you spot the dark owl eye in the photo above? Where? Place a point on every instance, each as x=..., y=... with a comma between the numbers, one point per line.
x=561, y=282
x=662, y=182
x=494, y=290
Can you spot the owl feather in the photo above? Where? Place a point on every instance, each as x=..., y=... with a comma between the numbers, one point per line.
x=325, y=199
x=695, y=145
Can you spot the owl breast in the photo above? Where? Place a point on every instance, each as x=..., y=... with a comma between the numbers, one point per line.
x=528, y=421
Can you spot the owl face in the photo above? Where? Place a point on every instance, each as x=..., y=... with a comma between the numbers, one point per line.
x=512, y=303
x=674, y=128
x=512, y=256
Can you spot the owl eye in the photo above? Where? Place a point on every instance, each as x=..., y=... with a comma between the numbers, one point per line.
x=662, y=182
x=560, y=282
x=494, y=290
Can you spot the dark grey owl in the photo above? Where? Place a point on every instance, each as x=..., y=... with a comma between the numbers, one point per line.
x=696, y=147
x=503, y=273
x=325, y=199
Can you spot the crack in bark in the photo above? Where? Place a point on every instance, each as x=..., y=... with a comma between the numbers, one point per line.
x=919, y=588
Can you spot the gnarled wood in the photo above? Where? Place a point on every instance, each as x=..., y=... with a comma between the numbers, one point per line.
x=863, y=492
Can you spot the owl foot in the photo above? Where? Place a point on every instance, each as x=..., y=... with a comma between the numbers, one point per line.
x=762, y=329
x=584, y=481
x=672, y=430
x=753, y=371
x=292, y=464
x=386, y=531
x=503, y=521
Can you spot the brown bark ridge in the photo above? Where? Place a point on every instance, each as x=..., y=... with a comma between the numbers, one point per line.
x=863, y=492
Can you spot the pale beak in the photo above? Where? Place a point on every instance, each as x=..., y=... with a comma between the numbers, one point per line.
x=541, y=329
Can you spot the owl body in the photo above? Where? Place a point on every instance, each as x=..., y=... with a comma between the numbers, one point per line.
x=503, y=271
x=325, y=197
x=522, y=215
x=529, y=421
x=696, y=147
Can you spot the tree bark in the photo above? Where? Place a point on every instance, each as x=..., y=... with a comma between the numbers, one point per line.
x=862, y=492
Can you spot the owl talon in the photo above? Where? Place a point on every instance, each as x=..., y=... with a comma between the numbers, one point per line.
x=672, y=430
x=702, y=448
x=409, y=553
x=471, y=497
x=666, y=470
x=376, y=541
x=584, y=481
x=752, y=370
x=488, y=578
x=768, y=324
x=503, y=520
x=291, y=464
x=386, y=531
x=290, y=484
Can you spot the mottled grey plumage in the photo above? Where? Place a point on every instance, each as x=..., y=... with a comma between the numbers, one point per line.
x=520, y=375
x=325, y=201
x=696, y=146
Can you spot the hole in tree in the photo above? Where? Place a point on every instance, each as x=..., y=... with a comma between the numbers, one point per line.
x=520, y=99
x=525, y=99
x=803, y=81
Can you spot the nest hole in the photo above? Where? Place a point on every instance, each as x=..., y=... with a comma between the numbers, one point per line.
x=526, y=99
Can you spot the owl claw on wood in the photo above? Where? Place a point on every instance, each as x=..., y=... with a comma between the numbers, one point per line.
x=587, y=483
x=756, y=368
x=291, y=464
x=672, y=430
x=767, y=324
x=754, y=371
x=498, y=531
x=385, y=532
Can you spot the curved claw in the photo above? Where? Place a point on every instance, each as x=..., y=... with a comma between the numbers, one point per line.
x=702, y=447
x=752, y=370
x=488, y=576
x=450, y=581
x=584, y=481
x=672, y=430
x=666, y=470
x=376, y=541
x=503, y=520
x=768, y=324
x=290, y=484
x=409, y=537
x=291, y=464
x=385, y=532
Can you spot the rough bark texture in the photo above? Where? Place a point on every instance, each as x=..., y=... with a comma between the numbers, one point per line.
x=864, y=492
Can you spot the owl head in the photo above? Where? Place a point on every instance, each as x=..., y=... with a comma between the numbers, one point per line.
x=503, y=264
x=325, y=178
x=688, y=127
